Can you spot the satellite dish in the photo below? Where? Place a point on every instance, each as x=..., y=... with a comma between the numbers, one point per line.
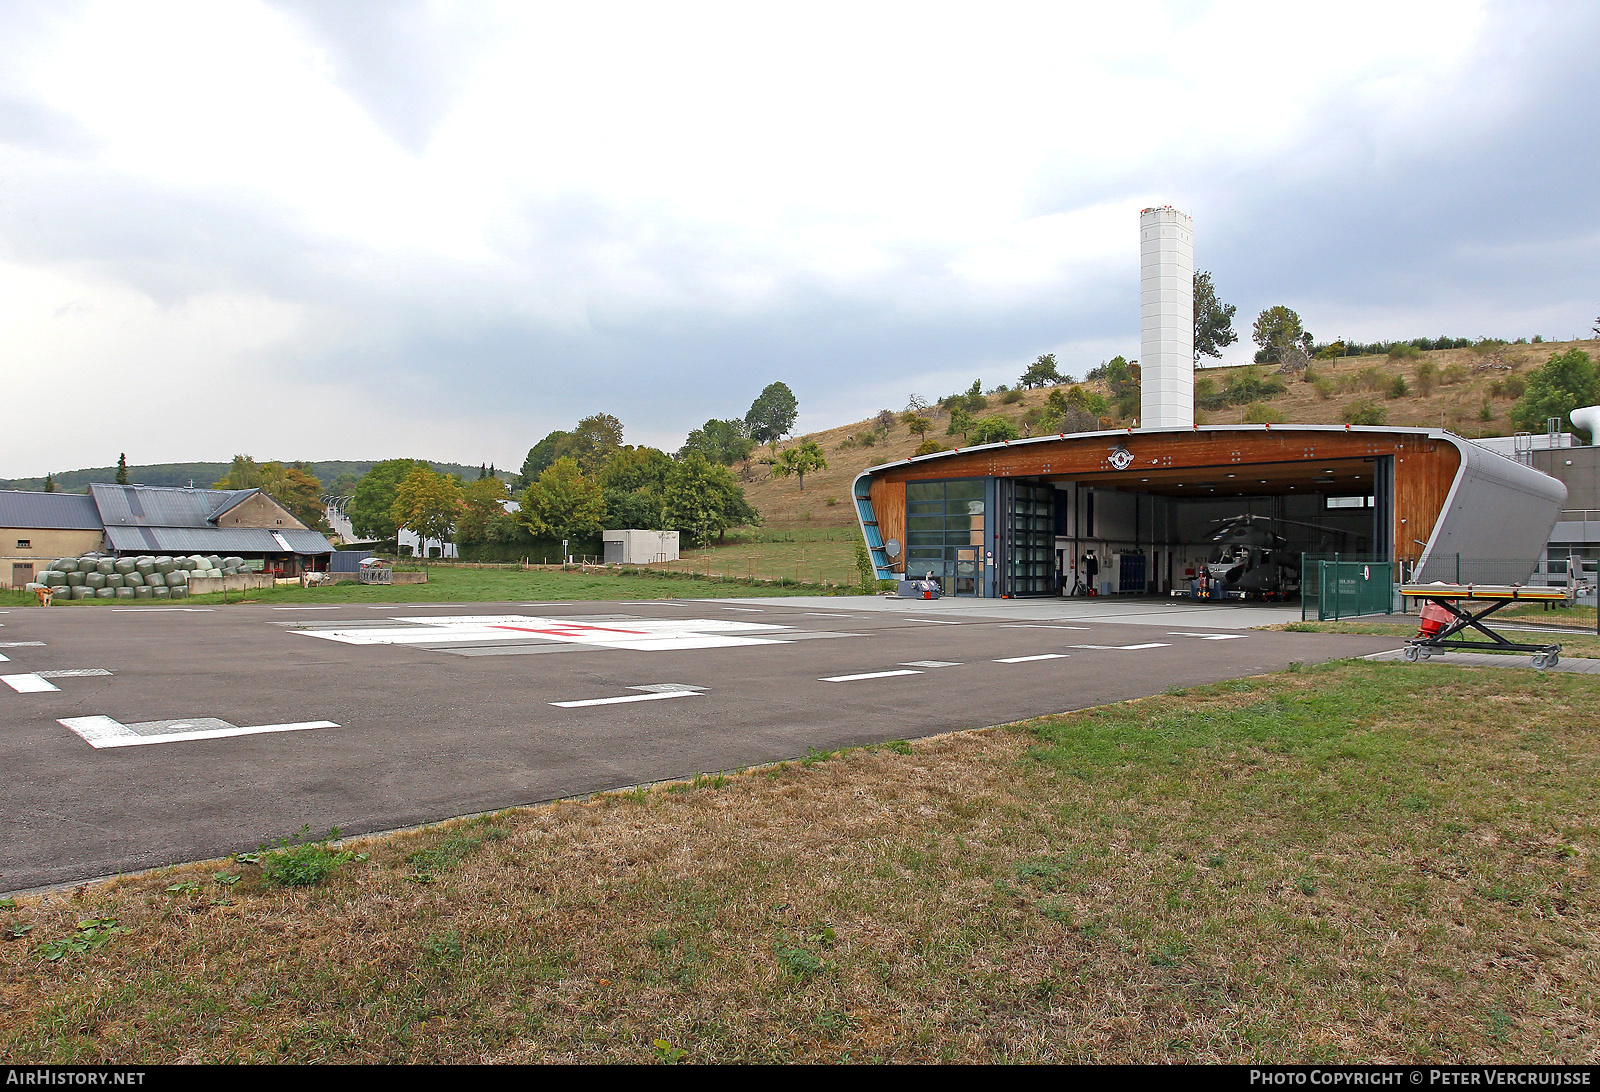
x=892, y=548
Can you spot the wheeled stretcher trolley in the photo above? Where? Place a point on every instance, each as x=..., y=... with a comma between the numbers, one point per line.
x=1450, y=611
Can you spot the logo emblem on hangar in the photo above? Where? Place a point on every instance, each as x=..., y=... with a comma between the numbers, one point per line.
x=1121, y=458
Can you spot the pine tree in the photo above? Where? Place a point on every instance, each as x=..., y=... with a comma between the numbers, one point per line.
x=122, y=469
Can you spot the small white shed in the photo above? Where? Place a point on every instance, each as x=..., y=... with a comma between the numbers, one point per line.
x=640, y=547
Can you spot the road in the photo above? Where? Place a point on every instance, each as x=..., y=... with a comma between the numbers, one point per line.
x=194, y=733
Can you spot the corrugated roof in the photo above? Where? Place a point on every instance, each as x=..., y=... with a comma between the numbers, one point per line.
x=213, y=540
x=48, y=511
x=162, y=506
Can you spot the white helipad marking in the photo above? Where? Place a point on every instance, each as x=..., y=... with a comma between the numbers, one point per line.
x=931, y=663
x=28, y=684
x=751, y=610
x=1028, y=659
x=73, y=673
x=655, y=692
x=309, y=608
x=1030, y=625
x=868, y=675
x=1212, y=636
x=933, y=621
x=638, y=634
x=21, y=644
x=4, y=658
x=1124, y=648
x=819, y=614
x=162, y=610
x=106, y=732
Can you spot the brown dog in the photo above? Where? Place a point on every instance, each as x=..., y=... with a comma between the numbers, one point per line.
x=45, y=595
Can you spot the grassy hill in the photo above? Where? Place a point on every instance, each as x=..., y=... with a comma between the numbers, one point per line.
x=1465, y=382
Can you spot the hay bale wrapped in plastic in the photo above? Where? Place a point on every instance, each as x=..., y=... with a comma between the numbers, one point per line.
x=122, y=566
x=32, y=587
x=177, y=578
x=178, y=592
x=236, y=562
x=133, y=580
x=47, y=579
x=142, y=591
x=95, y=580
x=115, y=580
x=145, y=566
x=123, y=593
x=213, y=561
x=105, y=593
x=74, y=579
x=105, y=566
x=165, y=565
x=160, y=591
x=214, y=572
x=199, y=561
x=65, y=564
x=82, y=592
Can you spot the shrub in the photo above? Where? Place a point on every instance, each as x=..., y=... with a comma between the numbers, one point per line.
x=1365, y=412
x=1011, y=397
x=1324, y=387
x=1257, y=413
x=992, y=429
x=1453, y=374
x=1404, y=352
x=928, y=447
x=1398, y=388
x=1370, y=378
x=1245, y=387
x=1426, y=374
x=300, y=863
x=1485, y=413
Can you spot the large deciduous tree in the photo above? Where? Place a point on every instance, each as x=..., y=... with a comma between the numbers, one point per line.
x=772, y=414
x=428, y=503
x=542, y=454
x=1041, y=373
x=703, y=500
x=1276, y=329
x=482, y=505
x=725, y=442
x=372, y=500
x=1213, y=320
x=1562, y=384
x=563, y=503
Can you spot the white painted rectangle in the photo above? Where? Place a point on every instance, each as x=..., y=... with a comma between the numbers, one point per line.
x=28, y=684
x=1123, y=648
x=1030, y=659
x=624, y=699
x=868, y=675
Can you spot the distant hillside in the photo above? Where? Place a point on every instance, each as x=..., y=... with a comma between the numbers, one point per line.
x=203, y=475
x=1464, y=382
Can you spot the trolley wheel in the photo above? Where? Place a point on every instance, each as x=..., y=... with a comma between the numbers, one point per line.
x=1539, y=661
x=1553, y=659
x=1411, y=653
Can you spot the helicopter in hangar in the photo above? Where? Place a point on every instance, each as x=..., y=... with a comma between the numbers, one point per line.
x=1250, y=560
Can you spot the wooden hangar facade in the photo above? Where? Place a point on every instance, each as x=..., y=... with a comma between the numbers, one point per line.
x=1022, y=518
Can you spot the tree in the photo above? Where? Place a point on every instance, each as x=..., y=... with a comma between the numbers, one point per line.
x=1556, y=388
x=992, y=429
x=563, y=503
x=772, y=414
x=917, y=404
x=122, y=469
x=50, y=483
x=299, y=493
x=1213, y=320
x=542, y=454
x=482, y=502
x=373, y=498
x=885, y=421
x=916, y=423
x=703, y=500
x=1276, y=329
x=960, y=422
x=595, y=438
x=799, y=460
x=631, y=484
x=428, y=503
x=1041, y=373
x=724, y=442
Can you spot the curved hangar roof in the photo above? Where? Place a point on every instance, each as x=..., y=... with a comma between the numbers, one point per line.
x=1450, y=493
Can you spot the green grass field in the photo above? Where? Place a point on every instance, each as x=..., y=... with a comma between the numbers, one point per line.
x=1352, y=863
x=452, y=584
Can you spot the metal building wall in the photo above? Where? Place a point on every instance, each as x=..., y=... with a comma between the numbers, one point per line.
x=1166, y=318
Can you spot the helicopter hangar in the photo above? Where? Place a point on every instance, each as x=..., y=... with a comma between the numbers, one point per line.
x=1152, y=511
x=1174, y=507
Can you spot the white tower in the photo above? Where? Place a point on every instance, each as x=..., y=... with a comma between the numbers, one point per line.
x=1166, y=318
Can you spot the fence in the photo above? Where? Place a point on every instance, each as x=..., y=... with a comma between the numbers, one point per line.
x=1339, y=586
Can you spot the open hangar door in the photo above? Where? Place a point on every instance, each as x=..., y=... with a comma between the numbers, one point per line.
x=1158, y=531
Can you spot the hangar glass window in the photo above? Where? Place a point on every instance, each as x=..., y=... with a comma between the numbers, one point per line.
x=1346, y=502
x=945, y=533
x=1031, y=550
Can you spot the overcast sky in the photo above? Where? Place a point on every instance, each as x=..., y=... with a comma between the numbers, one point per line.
x=350, y=229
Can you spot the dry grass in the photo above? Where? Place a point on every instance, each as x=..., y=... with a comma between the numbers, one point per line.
x=1316, y=865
